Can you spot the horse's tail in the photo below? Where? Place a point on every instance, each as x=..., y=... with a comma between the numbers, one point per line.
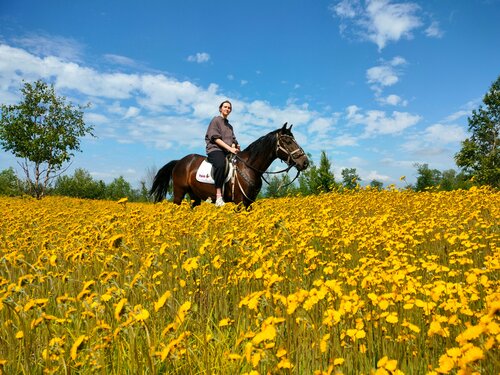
x=161, y=181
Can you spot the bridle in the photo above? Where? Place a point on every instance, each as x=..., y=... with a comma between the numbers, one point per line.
x=291, y=154
x=290, y=162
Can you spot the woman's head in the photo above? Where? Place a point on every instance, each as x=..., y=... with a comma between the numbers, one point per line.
x=225, y=108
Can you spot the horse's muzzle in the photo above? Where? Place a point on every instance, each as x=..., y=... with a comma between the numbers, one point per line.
x=301, y=163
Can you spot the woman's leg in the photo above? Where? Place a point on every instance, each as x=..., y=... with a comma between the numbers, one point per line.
x=218, y=160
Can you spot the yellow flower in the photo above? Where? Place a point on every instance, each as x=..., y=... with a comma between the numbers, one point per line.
x=392, y=318
x=74, y=348
x=338, y=361
x=388, y=364
x=267, y=333
x=284, y=363
x=446, y=364
x=142, y=315
x=473, y=354
x=161, y=301
x=190, y=264
x=119, y=307
x=225, y=322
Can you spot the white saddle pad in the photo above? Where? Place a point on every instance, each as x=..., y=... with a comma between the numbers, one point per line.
x=203, y=174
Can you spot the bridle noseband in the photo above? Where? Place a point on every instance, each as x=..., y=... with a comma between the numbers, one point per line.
x=291, y=155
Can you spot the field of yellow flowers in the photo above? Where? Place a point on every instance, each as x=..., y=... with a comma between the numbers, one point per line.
x=365, y=282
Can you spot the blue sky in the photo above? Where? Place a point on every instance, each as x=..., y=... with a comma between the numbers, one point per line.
x=378, y=85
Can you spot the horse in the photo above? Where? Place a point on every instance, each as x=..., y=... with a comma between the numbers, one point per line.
x=249, y=166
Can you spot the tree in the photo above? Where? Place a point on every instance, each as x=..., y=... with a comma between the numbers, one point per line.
x=120, y=188
x=317, y=180
x=479, y=156
x=80, y=185
x=350, y=178
x=280, y=186
x=375, y=184
x=44, y=131
x=9, y=183
x=427, y=177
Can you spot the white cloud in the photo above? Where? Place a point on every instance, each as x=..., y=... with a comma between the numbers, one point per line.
x=379, y=21
x=444, y=134
x=374, y=175
x=321, y=125
x=392, y=100
x=386, y=74
x=378, y=122
x=434, y=141
x=120, y=60
x=50, y=45
x=434, y=30
x=200, y=57
x=455, y=116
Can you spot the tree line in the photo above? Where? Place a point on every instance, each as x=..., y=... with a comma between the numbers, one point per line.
x=43, y=131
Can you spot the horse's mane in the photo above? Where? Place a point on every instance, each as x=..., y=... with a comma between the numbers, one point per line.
x=266, y=142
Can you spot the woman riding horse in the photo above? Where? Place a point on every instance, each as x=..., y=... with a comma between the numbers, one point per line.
x=249, y=166
x=221, y=141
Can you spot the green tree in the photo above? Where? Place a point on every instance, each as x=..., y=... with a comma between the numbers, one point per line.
x=377, y=185
x=44, y=131
x=280, y=187
x=479, y=156
x=9, y=183
x=319, y=179
x=80, y=185
x=427, y=178
x=120, y=188
x=350, y=178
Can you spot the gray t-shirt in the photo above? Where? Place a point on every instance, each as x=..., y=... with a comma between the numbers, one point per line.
x=219, y=128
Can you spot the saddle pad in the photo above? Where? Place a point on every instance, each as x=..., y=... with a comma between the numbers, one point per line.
x=204, y=173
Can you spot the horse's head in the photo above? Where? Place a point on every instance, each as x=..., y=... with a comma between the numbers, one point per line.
x=288, y=150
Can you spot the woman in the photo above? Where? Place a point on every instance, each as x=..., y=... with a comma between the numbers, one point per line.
x=220, y=140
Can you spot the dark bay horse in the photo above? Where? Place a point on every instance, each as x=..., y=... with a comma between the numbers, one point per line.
x=249, y=167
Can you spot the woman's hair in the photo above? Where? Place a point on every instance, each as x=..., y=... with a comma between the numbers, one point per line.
x=225, y=101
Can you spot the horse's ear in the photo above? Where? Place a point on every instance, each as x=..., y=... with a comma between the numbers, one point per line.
x=284, y=126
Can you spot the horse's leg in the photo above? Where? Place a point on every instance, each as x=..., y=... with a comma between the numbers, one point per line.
x=196, y=200
x=179, y=194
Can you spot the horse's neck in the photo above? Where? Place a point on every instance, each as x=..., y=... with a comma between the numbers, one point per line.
x=259, y=162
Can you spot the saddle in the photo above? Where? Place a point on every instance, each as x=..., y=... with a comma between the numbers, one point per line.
x=205, y=172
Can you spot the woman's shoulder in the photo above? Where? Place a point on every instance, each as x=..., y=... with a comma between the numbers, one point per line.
x=217, y=119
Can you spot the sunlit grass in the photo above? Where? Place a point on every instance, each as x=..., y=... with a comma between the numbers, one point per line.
x=369, y=282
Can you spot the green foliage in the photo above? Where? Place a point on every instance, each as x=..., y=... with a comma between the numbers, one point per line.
x=480, y=155
x=44, y=131
x=9, y=183
x=377, y=185
x=350, y=178
x=317, y=180
x=427, y=178
x=80, y=185
x=434, y=179
x=120, y=188
x=280, y=187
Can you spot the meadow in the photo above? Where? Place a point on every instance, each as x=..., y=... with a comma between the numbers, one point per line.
x=365, y=282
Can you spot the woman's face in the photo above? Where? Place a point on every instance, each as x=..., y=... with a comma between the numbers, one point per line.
x=225, y=110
